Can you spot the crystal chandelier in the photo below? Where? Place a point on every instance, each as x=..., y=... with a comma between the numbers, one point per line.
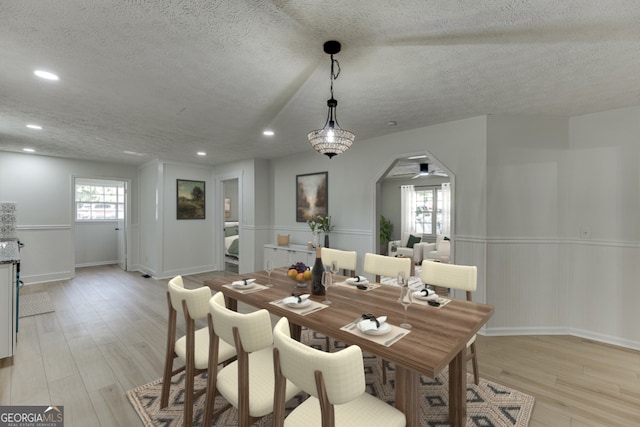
x=331, y=139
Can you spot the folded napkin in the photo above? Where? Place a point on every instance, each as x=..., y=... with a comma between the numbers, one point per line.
x=243, y=282
x=371, y=324
x=425, y=292
x=358, y=279
x=295, y=299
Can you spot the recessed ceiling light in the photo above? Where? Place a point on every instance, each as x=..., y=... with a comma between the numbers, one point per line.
x=201, y=153
x=36, y=127
x=268, y=133
x=28, y=150
x=392, y=123
x=417, y=157
x=46, y=75
x=133, y=153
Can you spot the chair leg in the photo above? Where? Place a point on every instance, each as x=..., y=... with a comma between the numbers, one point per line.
x=474, y=363
x=328, y=344
x=170, y=355
x=166, y=380
x=384, y=371
x=188, y=396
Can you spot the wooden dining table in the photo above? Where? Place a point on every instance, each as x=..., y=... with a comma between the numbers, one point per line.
x=437, y=339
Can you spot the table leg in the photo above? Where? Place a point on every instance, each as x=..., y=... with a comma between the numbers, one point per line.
x=295, y=331
x=231, y=303
x=407, y=394
x=458, y=389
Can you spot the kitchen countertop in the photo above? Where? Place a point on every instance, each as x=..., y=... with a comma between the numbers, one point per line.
x=9, y=252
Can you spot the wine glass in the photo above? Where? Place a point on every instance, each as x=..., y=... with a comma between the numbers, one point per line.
x=269, y=268
x=334, y=267
x=326, y=282
x=405, y=299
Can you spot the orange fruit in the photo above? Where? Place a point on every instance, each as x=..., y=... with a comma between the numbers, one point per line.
x=300, y=277
x=292, y=273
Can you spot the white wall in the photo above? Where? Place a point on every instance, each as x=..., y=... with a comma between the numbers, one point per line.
x=169, y=246
x=524, y=263
x=563, y=234
x=602, y=194
x=42, y=188
x=150, y=230
x=187, y=243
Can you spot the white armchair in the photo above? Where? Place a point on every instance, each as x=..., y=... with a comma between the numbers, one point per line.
x=439, y=250
x=414, y=251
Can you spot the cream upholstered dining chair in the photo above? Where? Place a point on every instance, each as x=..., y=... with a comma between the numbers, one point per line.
x=347, y=260
x=193, y=348
x=463, y=277
x=247, y=383
x=334, y=381
x=382, y=265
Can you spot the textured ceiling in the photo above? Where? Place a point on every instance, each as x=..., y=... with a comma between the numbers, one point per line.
x=167, y=78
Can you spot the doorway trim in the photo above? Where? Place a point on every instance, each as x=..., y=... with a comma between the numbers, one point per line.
x=218, y=232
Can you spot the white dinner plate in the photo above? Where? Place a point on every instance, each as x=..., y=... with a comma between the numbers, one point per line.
x=243, y=286
x=383, y=329
x=304, y=303
x=420, y=295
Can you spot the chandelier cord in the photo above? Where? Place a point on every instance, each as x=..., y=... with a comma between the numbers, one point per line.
x=334, y=75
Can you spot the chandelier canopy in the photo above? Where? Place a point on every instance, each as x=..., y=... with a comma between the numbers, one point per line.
x=331, y=140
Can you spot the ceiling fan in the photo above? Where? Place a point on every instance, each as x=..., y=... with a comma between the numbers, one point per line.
x=424, y=171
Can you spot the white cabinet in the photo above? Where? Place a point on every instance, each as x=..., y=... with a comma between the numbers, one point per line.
x=284, y=256
x=7, y=310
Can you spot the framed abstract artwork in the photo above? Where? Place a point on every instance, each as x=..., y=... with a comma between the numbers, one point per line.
x=312, y=196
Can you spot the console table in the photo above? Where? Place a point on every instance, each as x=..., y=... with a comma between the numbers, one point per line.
x=284, y=256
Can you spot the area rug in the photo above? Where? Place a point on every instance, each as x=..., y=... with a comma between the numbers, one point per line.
x=35, y=303
x=488, y=404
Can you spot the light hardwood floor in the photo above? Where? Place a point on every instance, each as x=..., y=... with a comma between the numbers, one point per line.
x=107, y=336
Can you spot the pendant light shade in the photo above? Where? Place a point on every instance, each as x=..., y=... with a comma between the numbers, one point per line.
x=331, y=140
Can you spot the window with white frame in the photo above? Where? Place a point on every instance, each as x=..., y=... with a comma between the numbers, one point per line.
x=428, y=212
x=99, y=200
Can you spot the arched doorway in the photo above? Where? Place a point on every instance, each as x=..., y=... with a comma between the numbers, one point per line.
x=431, y=213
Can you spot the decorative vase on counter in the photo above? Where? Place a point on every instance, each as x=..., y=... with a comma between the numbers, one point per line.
x=326, y=240
x=315, y=240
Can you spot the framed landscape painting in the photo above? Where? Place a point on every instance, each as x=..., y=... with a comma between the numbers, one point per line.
x=312, y=196
x=190, y=199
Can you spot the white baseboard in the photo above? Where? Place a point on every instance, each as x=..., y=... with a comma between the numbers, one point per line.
x=49, y=277
x=607, y=339
x=555, y=330
x=173, y=273
x=95, y=264
x=594, y=336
